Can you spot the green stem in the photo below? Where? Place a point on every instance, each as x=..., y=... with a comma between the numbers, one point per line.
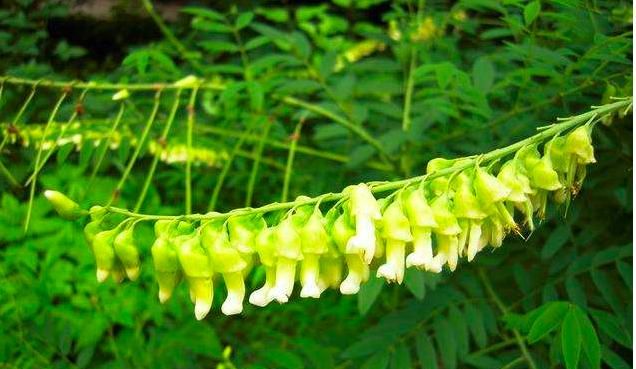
x=17, y=117
x=60, y=134
x=112, y=86
x=155, y=159
x=142, y=140
x=513, y=363
x=378, y=187
x=280, y=145
x=358, y=130
x=520, y=342
x=290, y=160
x=225, y=171
x=104, y=147
x=188, y=166
x=408, y=95
x=12, y=181
x=257, y=159
x=38, y=157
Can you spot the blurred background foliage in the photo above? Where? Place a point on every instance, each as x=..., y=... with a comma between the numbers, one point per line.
x=419, y=79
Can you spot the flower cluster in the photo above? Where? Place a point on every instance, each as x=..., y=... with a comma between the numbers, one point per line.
x=428, y=225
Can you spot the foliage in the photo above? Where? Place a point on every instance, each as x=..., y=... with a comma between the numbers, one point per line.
x=359, y=91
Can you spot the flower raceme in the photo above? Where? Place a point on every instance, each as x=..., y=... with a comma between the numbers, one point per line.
x=429, y=225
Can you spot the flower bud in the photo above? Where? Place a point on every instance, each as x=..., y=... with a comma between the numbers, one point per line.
x=104, y=253
x=419, y=212
x=127, y=252
x=540, y=171
x=65, y=207
x=446, y=221
x=489, y=189
x=466, y=204
x=579, y=143
x=165, y=260
x=512, y=178
x=197, y=269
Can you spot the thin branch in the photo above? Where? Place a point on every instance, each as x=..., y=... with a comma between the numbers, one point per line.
x=188, y=166
x=162, y=141
x=39, y=156
x=225, y=171
x=520, y=342
x=258, y=153
x=142, y=140
x=290, y=159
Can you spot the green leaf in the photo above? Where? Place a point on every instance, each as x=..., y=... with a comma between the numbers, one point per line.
x=460, y=329
x=360, y=155
x=626, y=272
x=612, y=327
x=285, y=359
x=591, y=345
x=446, y=343
x=328, y=63
x=369, y=292
x=414, y=280
x=482, y=362
x=575, y=291
x=203, y=12
x=378, y=361
x=401, y=358
x=555, y=241
x=216, y=46
x=613, y=360
x=549, y=320
x=425, y=351
x=243, y=20
x=483, y=74
x=444, y=73
x=531, y=11
x=476, y=325
x=571, y=339
x=606, y=288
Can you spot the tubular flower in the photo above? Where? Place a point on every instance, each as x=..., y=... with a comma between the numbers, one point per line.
x=512, y=177
x=446, y=234
x=492, y=193
x=288, y=253
x=468, y=210
x=397, y=232
x=422, y=221
x=315, y=242
x=266, y=249
x=197, y=270
x=365, y=211
x=226, y=260
x=357, y=269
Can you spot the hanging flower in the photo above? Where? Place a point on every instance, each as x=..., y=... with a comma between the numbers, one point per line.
x=365, y=211
x=288, y=253
x=197, y=269
x=358, y=270
x=422, y=220
x=396, y=230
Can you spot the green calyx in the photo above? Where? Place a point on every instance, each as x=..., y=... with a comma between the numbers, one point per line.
x=65, y=207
